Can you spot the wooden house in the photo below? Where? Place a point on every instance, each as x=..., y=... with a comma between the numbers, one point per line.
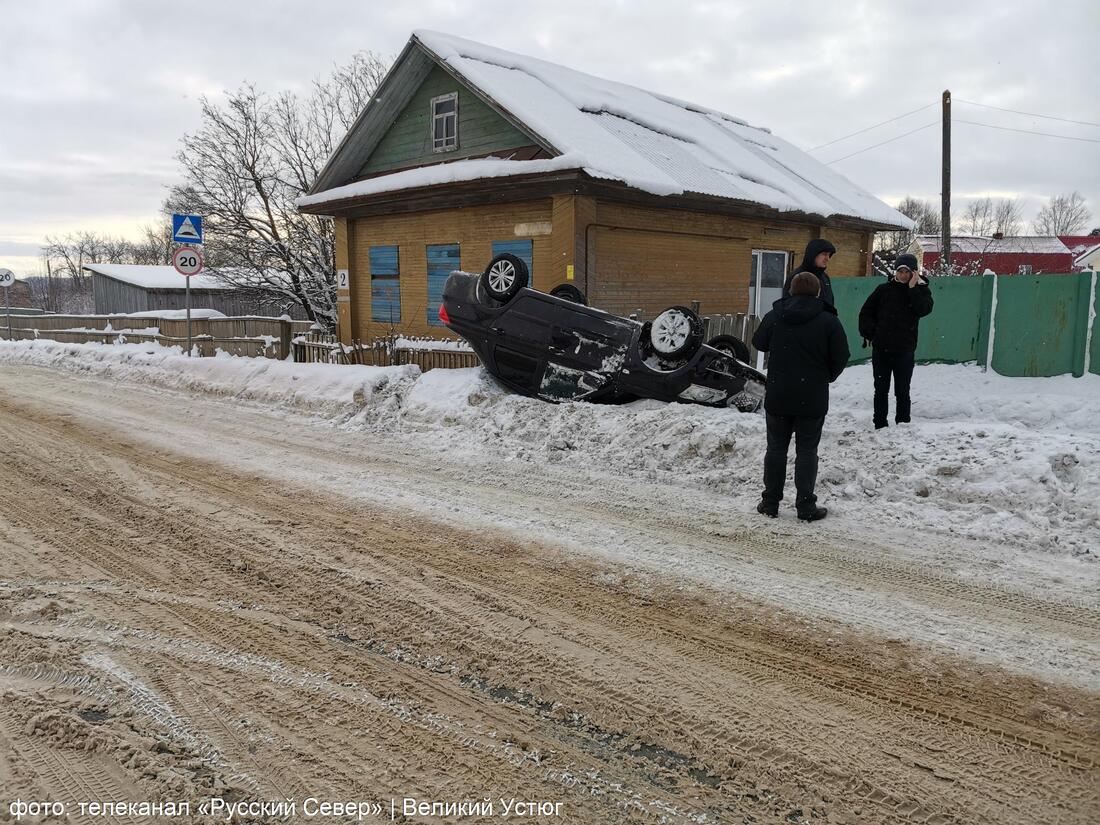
x=640, y=200
x=125, y=288
x=1013, y=255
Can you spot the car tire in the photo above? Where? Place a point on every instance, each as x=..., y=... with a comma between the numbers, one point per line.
x=676, y=334
x=569, y=292
x=732, y=345
x=504, y=277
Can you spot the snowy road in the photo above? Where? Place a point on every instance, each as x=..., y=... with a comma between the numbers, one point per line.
x=302, y=608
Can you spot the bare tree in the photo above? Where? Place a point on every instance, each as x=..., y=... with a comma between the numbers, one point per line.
x=1008, y=217
x=251, y=158
x=1063, y=215
x=978, y=218
x=924, y=215
x=155, y=247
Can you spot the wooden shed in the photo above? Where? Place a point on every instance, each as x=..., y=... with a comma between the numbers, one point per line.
x=125, y=288
x=640, y=200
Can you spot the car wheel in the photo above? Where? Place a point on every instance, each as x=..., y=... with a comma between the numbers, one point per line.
x=731, y=345
x=676, y=333
x=504, y=277
x=569, y=293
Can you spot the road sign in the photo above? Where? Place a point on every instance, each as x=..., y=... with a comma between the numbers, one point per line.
x=187, y=228
x=7, y=278
x=187, y=261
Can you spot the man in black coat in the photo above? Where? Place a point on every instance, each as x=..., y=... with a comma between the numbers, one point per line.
x=808, y=352
x=815, y=259
x=889, y=320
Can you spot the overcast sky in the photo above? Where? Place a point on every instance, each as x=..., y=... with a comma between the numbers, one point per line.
x=96, y=94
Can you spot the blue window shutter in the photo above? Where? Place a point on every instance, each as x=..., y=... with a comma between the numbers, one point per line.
x=385, y=285
x=521, y=249
x=443, y=259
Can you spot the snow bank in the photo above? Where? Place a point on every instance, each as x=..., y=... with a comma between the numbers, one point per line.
x=333, y=391
x=1009, y=461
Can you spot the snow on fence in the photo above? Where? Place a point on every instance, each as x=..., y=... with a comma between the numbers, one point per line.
x=428, y=354
x=252, y=336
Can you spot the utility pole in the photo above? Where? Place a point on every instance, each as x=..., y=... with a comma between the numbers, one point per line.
x=49, y=288
x=945, y=189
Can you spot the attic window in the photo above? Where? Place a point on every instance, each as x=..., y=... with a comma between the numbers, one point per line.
x=445, y=122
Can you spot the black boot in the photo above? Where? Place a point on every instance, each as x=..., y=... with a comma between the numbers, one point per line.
x=767, y=508
x=814, y=514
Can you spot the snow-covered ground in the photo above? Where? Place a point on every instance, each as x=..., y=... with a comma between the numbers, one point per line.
x=1012, y=462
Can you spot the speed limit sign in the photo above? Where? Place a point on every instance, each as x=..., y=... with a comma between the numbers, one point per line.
x=7, y=277
x=187, y=261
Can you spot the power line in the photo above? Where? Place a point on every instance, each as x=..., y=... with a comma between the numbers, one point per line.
x=869, y=128
x=883, y=143
x=1027, y=131
x=1028, y=114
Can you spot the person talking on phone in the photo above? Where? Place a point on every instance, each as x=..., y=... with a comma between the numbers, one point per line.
x=889, y=320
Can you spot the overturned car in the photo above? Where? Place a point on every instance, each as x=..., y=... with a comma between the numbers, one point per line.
x=552, y=346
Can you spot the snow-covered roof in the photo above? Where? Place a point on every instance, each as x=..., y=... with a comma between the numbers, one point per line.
x=1079, y=243
x=1043, y=245
x=154, y=277
x=617, y=132
x=1081, y=257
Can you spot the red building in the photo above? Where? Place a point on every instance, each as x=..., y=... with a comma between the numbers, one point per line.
x=1004, y=256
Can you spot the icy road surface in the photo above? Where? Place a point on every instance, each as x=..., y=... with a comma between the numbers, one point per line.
x=202, y=597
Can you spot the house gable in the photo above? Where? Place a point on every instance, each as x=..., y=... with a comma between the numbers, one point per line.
x=408, y=141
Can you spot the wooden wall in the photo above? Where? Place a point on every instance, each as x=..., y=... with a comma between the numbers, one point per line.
x=473, y=228
x=118, y=297
x=408, y=141
x=649, y=259
x=624, y=257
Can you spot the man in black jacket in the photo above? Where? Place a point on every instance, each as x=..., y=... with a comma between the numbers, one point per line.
x=889, y=320
x=808, y=352
x=815, y=259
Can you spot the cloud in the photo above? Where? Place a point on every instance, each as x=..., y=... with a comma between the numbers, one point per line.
x=97, y=94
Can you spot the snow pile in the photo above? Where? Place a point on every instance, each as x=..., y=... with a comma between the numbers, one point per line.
x=1012, y=460
x=1009, y=461
x=335, y=392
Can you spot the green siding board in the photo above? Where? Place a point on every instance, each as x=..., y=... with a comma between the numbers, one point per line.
x=1041, y=325
x=1094, y=348
x=408, y=141
x=1035, y=325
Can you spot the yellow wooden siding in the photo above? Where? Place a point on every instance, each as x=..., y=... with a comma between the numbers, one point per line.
x=473, y=228
x=648, y=259
x=624, y=257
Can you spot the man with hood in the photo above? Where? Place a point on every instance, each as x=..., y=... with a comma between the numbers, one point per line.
x=808, y=352
x=889, y=320
x=816, y=258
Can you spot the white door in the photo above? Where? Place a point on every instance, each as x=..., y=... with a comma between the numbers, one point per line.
x=769, y=270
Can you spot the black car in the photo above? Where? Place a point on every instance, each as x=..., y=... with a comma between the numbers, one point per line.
x=552, y=346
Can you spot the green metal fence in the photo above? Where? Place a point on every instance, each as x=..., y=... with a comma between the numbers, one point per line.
x=1040, y=324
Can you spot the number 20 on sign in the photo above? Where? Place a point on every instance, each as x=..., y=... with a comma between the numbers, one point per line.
x=187, y=261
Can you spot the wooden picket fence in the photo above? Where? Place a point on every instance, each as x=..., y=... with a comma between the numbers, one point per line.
x=316, y=347
x=251, y=336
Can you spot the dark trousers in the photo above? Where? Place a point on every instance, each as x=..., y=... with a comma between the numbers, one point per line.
x=807, y=434
x=899, y=366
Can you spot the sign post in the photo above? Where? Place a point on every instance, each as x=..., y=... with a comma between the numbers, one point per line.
x=188, y=261
x=7, y=278
x=187, y=229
